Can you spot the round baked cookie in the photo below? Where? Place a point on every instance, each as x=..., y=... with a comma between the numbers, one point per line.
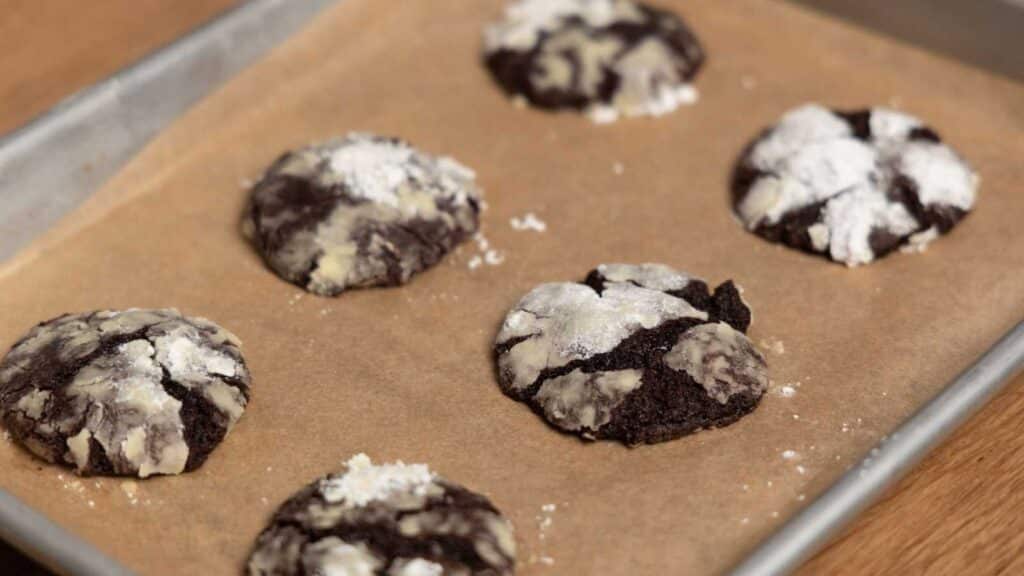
x=605, y=57
x=851, y=186
x=130, y=392
x=387, y=520
x=360, y=211
x=635, y=353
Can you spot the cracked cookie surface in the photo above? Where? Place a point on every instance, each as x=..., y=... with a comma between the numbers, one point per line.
x=635, y=353
x=132, y=392
x=605, y=57
x=385, y=520
x=852, y=186
x=358, y=212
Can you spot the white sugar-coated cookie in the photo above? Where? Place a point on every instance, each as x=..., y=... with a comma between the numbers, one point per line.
x=132, y=392
x=358, y=212
x=636, y=353
x=606, y=57
x=385, y=520
x=852, y=186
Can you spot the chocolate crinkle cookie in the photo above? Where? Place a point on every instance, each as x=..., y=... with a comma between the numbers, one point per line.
x=132, y=392
x=636, y=353
x=852, y=186
x=360, y=211
x=605, y=57
x=385, y=520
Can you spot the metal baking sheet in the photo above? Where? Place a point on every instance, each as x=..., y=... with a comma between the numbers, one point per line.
x=87, y=138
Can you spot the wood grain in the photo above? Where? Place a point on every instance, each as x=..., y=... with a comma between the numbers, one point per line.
x=51, y=48
x=958, y=513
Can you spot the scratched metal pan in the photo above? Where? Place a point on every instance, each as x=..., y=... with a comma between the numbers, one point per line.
x=104, y=126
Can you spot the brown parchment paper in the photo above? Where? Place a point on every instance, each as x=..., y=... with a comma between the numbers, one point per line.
x=407, y=373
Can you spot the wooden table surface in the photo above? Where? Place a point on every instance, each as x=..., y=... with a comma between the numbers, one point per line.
x=959, y=513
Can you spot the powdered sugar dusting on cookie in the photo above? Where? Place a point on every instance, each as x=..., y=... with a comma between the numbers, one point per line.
x=568, y=53
x=365, y=482
x=589, y=356
x=854, y=181
x=526, y=20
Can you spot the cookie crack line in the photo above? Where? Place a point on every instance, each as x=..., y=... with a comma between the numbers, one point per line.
x=131, y=392
x=377, y=519
x=635, y=353
x=852, y=186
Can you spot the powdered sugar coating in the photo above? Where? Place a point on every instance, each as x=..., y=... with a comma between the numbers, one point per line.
x=385, y=520
x=653, y=276
x=360, y=211
x=721, y=359
x=132, y=392
x=852, y=185
x=365, y=482
x=591, y=357
x=565, y=322
x=609, y=58
x=526, y=20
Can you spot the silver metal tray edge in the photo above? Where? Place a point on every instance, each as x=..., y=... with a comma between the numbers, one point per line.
x=51, y=165
x=118, y=116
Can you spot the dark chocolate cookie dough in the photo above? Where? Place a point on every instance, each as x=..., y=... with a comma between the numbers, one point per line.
x=605, y=57
x=852, y=186
x=385, y=520
x=133, y=392
x=636, y=353
x=357, y=212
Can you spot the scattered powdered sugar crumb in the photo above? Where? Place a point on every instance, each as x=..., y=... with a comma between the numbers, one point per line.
x=529, y=221
x=264, y=501
x=774, y=346
x=544, y=522
x=7, y=436
x=493, y=257
x=365, y=482
x=91, y=504
x=745, y=521
x=786, y=391
x=790, y=455
x=487, y=254
x=801, y=497
x=545, y=519
x=130, y=489
x=775, y=514
x=246, y=183
x=74, y=485
x=618, y=169
x=801, y=470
